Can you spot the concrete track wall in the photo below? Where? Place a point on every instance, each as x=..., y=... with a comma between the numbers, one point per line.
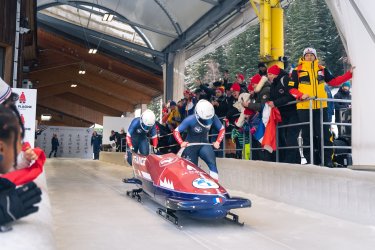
x=343, y=193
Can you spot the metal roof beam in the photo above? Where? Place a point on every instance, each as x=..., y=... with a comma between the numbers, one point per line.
x=75, y=30
x=110, y=49
x=122, y=19
x=210, y=19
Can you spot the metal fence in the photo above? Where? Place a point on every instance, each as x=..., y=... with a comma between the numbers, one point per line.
x=224, y=148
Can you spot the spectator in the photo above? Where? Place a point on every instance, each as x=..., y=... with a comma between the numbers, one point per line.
x=55, y=144
x=188, y=104
x=174, y=118
x=241, y=138
x=232, y=114
x=262, y=96
x=96, y=143
x=279, y=97
x=308, y=80
x=344, y=94
x=114, y=137
x=15, y=202
x=240, y=80
x=226, y=79
x=262, y=69
x=220, y=103
x=121, y=140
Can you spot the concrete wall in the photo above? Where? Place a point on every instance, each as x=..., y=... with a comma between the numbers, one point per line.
x=342, y=193
x=113, y=157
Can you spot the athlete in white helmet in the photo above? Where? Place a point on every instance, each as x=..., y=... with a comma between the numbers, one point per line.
x=136, y=137
x=198, y=126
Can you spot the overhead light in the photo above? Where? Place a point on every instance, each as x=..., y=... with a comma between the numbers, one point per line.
x=46, y=117
x=93, y=51
x=82, y=72
x=107, y=17
x=73, y=86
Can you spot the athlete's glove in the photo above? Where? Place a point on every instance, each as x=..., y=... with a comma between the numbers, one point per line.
x=16, y=203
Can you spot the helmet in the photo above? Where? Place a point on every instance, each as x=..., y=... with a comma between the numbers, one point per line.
x=204, y=112
x=147, y=120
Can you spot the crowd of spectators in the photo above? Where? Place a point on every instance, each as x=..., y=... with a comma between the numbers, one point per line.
x=240, y=105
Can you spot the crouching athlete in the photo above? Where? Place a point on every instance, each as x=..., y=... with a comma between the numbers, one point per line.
x=198, y=126
x=136, y=138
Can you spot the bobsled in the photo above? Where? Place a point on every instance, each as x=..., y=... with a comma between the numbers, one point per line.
x=180, y=186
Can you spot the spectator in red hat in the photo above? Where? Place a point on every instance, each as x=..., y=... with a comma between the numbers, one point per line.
x=279, y=97
x=220, y=102
x=254, y=80
x=262, y=93
x=240, y=80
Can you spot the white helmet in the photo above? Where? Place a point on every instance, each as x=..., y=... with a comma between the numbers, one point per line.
x=204, y=112
x=147, y=120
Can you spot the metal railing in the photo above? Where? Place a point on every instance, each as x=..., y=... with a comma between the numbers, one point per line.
x=298, y=125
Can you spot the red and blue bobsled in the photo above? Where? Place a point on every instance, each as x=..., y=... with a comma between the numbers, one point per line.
x=179, y=185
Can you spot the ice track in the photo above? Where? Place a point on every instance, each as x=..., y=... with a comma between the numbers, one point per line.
x=91, y=211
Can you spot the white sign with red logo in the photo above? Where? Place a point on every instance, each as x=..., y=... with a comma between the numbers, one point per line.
x=26, y=105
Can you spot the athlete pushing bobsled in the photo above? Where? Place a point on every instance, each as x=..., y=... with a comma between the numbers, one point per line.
x=136, y=137
x=198, y=126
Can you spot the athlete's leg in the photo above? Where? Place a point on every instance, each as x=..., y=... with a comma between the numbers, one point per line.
x=208, y=155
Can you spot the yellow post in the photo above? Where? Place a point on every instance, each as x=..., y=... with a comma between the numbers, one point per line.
x=277, y=33
x=265, y=30
x=271, y=19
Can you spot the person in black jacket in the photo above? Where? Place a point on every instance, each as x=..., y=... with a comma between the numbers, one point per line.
x=55, y=145
x=279, y=97
x=344, y=94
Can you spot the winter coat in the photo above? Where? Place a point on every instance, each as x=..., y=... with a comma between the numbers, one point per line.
x=279, y=94
x=55, y=142
x=261, y=97
x=310, y=78
x=222, y=109
x=341, y=94
x=233, y=113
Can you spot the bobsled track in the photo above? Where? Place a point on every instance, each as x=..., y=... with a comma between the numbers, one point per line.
x=90, y=210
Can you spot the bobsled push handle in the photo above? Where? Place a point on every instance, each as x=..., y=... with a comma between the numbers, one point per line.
x=192, y=144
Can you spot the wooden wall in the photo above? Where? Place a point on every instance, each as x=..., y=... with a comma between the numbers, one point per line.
x=8, y=10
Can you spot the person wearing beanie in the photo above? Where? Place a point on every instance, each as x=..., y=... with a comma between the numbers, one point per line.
x=262, y=69
x=261, y=97
x=279, y=97
x=344, y=94
x=174, y=118
x=308, y=81
x=240, y=78
x=220, y=102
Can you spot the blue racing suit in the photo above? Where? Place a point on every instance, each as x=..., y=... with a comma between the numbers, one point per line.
x=197, y=133
x=137, y=140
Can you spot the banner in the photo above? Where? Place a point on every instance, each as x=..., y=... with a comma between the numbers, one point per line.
x=26, y=105
x=75, y=142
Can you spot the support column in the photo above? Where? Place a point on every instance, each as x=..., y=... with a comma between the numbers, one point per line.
x=271, y=21
x=174, y=76
x=179, y=75
x=168, y=78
